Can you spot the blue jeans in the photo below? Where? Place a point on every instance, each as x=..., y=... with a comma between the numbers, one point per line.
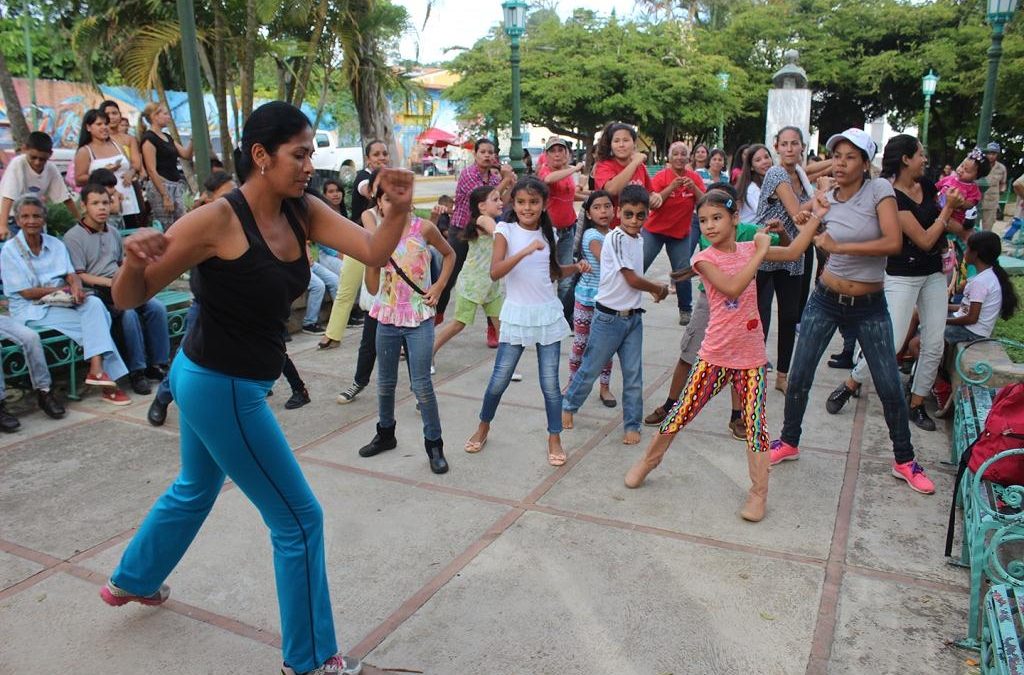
x=610, y=334
x=869, y=324
x=31, y=347
x=505, y=362
x=321, y=281
x=565, y=239
x=227, y=428
x=957, y=334
x=679, y=252
x=146, y=339
x=163, y=390
x=419, y=347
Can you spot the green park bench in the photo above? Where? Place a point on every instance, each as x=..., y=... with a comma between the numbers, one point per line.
x=992, y=514
x=62, y=352
x=1001, y=650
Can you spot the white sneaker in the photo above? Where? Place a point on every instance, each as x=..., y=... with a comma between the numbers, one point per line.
x=517, y=377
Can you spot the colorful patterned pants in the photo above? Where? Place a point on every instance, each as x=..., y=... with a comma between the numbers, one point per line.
x=581, y=318
x=705, y=381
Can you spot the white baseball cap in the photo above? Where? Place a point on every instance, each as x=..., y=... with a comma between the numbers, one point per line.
x=858, y=137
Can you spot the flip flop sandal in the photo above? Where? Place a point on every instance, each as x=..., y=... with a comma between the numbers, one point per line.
x=474, y=447
x=556, y=459
x=328, y=343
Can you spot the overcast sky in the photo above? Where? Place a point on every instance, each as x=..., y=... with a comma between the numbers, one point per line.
x=463, y=22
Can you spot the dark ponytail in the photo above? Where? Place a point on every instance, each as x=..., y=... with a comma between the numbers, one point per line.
x=898, y=147
x=271, y=125
x=587, y=222
x=988, y=247
x=536, y=186
x=477, y=197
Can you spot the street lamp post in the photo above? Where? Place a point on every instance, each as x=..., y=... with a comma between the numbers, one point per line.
x=515, y=26
x=928, y=84
x=999, y=13
x=723, y=80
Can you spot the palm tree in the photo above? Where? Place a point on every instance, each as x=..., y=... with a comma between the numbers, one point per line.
x=365, y=28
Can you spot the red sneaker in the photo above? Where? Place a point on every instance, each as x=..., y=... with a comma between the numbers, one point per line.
x=914, y=474
x=116, y=397
x=942, y=391
x=115, y=597
x=100, y=379
x=780, y=451
x=492, y=335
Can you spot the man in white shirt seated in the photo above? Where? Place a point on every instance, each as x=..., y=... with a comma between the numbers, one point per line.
x=30, y=173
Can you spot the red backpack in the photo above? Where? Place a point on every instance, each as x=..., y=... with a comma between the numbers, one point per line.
x=1004, y=430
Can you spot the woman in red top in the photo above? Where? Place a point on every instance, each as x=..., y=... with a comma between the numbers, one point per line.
x=668, y=226
x=619, y=164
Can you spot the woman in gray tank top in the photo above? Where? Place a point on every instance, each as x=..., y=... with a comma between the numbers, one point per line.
x=861, y=231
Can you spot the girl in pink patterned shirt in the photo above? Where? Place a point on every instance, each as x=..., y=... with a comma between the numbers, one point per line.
x=733, y=347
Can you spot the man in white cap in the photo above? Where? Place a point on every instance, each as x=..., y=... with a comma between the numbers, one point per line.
x=996, y=186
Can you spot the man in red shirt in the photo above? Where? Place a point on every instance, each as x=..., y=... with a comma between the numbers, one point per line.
x=563, y=192
x=669, y=225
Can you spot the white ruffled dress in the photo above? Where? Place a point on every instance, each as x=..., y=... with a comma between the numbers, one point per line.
x=532, y=313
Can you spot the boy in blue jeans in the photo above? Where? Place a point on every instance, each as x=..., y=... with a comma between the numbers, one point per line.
x=617, y=326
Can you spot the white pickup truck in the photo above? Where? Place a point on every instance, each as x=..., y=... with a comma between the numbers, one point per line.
x=329, y=156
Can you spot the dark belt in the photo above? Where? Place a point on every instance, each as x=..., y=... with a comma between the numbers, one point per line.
x=625, y=312
x=850, y=300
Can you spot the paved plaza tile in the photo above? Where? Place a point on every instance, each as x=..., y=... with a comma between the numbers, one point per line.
x=505, y=564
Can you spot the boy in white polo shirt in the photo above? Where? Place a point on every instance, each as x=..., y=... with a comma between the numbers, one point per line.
x=617, y=326
x=29, y=173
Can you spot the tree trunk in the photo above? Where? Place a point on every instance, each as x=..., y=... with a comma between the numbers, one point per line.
x=313, y=50
x=248, y=73
x=328, y=70
x=19, y=127
x=371, y=105
x=220, y=86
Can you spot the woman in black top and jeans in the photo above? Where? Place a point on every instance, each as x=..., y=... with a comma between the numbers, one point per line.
x=913, y=278
x=160, y=153
x=248, y=259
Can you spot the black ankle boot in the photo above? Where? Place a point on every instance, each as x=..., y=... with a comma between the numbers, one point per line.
x=383, y=440
x=842, y=360
x=435, y=451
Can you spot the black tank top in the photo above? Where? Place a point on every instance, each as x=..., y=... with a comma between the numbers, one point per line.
x=245, y=303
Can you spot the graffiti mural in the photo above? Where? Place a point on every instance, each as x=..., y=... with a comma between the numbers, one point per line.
x=61, y=105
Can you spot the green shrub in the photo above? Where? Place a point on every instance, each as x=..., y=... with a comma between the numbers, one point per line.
x=58, y=220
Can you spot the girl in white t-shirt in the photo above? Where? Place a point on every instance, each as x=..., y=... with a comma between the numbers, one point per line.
x=524, y=255
x=988, y=295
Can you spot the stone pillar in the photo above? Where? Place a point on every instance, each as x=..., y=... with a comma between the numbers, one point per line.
x=789, y=100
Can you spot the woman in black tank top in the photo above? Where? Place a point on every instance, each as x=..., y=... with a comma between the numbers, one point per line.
x=248, y=258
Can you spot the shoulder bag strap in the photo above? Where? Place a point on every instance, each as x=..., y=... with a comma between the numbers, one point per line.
x=405, y=277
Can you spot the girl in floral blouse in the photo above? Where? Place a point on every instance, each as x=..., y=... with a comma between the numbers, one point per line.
x=404, y=310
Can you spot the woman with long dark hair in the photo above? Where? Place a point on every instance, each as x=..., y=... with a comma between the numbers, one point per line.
x=97, y=150
x=247, y=254
x=862, y=230
x=914, y=277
